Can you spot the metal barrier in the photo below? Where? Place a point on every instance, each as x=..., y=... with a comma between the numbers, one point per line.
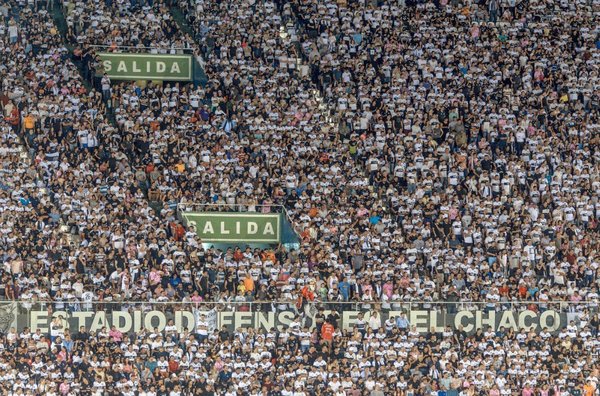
x=134, y=49
x=235, y=207
x=129, y=47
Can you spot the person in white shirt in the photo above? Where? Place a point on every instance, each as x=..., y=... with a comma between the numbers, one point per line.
x=374, y=321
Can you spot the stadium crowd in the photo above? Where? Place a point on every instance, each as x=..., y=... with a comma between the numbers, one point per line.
x=439, y=151
x=390, y=359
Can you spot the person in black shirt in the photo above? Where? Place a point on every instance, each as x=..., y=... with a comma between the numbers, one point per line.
x=224, y=334
x=319, y=319
x=421, y=343
x=333, y=318
x=460, y=335
x=595, y=325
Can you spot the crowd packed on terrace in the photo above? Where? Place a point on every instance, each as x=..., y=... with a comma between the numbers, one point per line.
x=427, y=151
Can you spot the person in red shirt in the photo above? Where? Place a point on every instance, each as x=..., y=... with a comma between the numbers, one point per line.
x=14, y=118
x=308, y=293
x=173, y=365
x=327, y=332
x=504, y=290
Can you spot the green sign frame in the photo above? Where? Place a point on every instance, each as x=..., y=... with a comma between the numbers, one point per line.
x=121, y=66
x=235, y=227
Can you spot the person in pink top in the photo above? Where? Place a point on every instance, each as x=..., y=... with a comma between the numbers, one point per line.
x=64, y=388
x=196, y=298
x=115, y=334
x=575, y=297
x=494, y=391
x=155, y=276
x=528, y=391
x=388, y=288
x=545, y=391
x=61, y=355
x=367, y=288
x=475, y=31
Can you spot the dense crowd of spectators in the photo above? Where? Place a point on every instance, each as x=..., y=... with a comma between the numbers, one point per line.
x=372, y=358
x=113, y=25
x=438, y=151
x=449, y=179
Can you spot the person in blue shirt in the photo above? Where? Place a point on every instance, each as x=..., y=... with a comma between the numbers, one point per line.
x=344, y=288
x=532, y=291
x=375, y=219
x=175, y=281
x=68, y=343
x=152, y=364
x=402, y=321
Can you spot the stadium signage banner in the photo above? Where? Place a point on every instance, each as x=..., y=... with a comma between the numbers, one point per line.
x=423, y=321
x=119, y=66
x=235, y=227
